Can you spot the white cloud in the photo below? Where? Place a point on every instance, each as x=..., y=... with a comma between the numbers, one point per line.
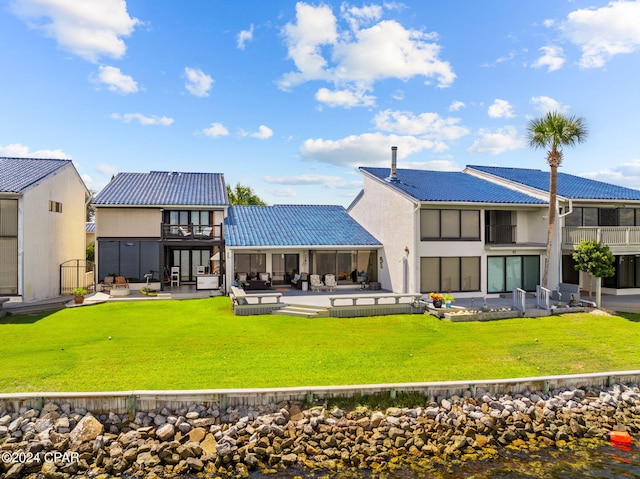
x=345, y=98
x=602, y=33
x=198, y=82
x=302, y=179
x=370, y=149
x=87, y=28
x=283, y=192
x=545, y=104
x=435, y=165
x=624, y=174
x=116, y=81
x=17, y=150
x=497, y=141
x=429, y=125
x=552, y=58
x=244, y=36
x=360, y=16
x=106, y=169
x=142, y=119
x=215, y=130
x=263, y=133
x=457, y=105
x=500, y=109
x=323, y=51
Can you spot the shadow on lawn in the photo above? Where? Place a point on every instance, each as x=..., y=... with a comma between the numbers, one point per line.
x=24, y=318
x=634, y=317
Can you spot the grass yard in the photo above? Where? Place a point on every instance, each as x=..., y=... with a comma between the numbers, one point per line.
x=200, y=344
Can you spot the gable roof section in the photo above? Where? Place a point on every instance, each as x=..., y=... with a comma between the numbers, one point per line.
x=18, y=174
x=164, y=188
x=294, y=225
x=450, y=187
x=569, y=186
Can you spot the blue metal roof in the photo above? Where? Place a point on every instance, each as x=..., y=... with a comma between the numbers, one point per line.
x=294, y=225
x=164, y=188
x=569, y=186
x=17, y=174
x=90, y=227
x=451, y=187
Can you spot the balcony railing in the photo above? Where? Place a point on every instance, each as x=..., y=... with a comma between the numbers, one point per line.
x=608, y=235
x=500, y=234
x=191, y=231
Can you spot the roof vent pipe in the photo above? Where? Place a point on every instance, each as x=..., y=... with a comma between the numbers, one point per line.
x=394, y=157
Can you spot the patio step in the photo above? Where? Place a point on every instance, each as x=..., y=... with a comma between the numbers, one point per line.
x=303, y=311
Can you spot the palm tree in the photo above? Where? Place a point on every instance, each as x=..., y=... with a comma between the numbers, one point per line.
x=553, y=132
x=243, y=195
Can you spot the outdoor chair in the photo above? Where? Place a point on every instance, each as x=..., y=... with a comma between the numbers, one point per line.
x=204, y=232
x=298, y=279
x=266, y=278
x=108, y=283
x=175, y=275
x=330, y=282
x=121, y=282
x=242, y=279
x=184, y=231
x=316, y=284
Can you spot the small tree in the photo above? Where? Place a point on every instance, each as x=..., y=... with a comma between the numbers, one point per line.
x=596, y=259
x=243, y=195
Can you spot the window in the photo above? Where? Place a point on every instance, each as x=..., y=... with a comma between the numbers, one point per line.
x=627, y=272
x=132, y=259
x=439, y=225
x=603, y=217
x=55, y=206
x=505, y=273
x=8, y=246
x=347, y=266
x=250, y=263
x=455, y=274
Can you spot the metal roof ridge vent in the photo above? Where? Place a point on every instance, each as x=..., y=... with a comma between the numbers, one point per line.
x=173, y=174
x=393, y=176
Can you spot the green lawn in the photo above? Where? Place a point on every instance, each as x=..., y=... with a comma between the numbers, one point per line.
x=200, y=344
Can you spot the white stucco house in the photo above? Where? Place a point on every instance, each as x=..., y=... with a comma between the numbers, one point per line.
x=482, y=231
x=42, y=225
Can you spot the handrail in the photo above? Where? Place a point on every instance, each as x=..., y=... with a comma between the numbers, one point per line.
x=191, y=231
x=542, y=297
x=519, y=299
x=608, y=235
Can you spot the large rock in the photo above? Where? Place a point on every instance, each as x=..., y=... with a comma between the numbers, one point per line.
x=165, y=432
x=86, y=430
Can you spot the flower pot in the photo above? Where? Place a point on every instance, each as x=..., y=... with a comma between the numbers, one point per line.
x=447, y=304
x=78, y=299
x=437, y=304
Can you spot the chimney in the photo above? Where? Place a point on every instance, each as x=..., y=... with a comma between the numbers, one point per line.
x=393, y=177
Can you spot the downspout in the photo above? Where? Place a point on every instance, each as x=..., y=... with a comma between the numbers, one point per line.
x=416, y=245
x=562, y=215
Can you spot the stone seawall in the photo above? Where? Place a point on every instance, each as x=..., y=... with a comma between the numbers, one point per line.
x=57, y=442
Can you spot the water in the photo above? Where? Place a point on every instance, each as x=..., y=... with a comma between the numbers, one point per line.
x=601, y=462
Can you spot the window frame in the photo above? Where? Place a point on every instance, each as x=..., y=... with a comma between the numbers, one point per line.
x=461, y=213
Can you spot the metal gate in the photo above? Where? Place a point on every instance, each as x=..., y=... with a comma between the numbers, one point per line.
x=77, y=273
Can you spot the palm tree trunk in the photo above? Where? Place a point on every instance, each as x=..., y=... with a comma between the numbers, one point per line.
x=553, y=188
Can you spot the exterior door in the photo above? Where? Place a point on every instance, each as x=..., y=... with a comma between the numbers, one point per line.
x=284, y=267
x=188, y=260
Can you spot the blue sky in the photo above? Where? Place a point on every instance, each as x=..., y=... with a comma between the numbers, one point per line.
x=291, y=97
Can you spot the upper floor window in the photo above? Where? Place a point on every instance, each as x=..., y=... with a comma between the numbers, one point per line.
x=445, y=225
x=55, y=206
x=582, y=216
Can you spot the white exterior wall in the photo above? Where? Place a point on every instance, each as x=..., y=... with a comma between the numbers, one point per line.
x=47, y=238
x=391, y=218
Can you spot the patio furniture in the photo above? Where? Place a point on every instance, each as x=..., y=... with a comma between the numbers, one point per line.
x=200, y=270
x=204, y=232
x=121, y=282
x=242, y=279
x=330, y=282
x=298, y=279
x=175, y=275
x=184, y=231
x=108, y=283
x=316, y=284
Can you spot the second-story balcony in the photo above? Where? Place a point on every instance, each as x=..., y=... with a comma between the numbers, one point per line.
x=191, y=232
x=612, y=236
x=500, y=234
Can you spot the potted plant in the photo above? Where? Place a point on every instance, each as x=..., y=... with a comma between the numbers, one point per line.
x=436, y=298
x=79, y=294
x=448, y=299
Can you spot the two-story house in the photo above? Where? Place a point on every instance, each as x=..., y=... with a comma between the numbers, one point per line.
x=451, y=232
x=151, y=223
x=589, y=210
x=483, y=231
x=42, y=225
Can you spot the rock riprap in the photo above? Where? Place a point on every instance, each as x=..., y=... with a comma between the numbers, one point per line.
x=59, y=442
